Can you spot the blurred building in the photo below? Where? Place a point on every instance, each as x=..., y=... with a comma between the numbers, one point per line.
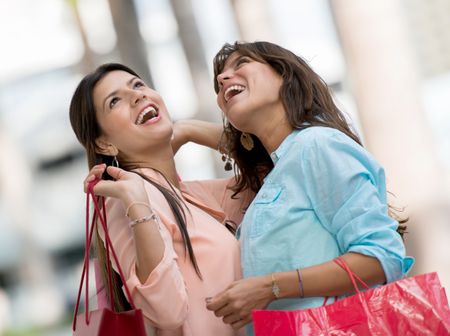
x=387, y=61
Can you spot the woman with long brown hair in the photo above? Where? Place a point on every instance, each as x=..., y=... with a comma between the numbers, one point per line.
x=320, y=194
x=168, y=234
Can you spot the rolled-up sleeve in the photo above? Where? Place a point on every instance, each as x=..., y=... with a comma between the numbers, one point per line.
x=348, y=188
x=163, y=296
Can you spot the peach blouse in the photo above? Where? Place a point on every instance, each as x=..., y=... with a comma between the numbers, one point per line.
x=173, y=296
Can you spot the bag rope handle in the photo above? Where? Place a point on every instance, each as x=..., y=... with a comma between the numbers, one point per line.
x=109, y=248
x=341, y=262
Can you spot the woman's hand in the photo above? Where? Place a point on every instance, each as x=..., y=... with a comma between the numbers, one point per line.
x=235, y=304
x=180, y=135
x=96, y=172
x=127, y=186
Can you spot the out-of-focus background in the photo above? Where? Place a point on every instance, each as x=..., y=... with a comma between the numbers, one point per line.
x=387, y=61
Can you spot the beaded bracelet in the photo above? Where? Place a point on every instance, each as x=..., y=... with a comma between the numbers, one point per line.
x=148, y=218
x=136, y=203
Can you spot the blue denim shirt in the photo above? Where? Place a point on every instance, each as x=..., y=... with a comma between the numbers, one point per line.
x=325, y=196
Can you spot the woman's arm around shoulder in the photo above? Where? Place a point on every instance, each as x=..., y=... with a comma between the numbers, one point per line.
x=197, y=131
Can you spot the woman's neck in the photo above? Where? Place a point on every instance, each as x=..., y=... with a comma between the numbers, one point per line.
x=273, y=134
x=161, y=160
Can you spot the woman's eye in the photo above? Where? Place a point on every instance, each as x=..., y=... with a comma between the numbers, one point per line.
x=242, y=60
x=113, y=102
x=138, y=84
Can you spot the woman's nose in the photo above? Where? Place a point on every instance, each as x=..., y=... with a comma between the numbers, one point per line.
x=222, y=77
x=137, y=97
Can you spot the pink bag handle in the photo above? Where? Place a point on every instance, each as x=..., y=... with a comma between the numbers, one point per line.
x=341, y=262
x=109, y=247
x=103, y=300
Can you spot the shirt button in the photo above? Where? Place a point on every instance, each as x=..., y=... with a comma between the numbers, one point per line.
x=273, y=156
x=264, y=195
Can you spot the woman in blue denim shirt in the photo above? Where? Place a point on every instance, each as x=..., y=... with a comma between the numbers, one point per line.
x=320, y=193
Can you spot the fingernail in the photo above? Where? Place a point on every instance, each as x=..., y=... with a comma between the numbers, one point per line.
x=208, y=299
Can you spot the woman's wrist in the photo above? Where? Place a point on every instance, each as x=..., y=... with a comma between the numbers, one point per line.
x=182, y=130
x=286, y=285
x=267, y=288
x=136, y=205
x=143, y=205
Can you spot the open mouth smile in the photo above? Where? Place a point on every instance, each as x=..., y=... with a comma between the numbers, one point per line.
x=150, y=113
x=232, y=91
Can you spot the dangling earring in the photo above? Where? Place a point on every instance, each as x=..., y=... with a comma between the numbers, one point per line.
x=247, y=141
x=115, y=162
x=226, y=157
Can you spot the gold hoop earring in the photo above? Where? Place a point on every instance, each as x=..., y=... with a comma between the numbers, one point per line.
x=247, y=141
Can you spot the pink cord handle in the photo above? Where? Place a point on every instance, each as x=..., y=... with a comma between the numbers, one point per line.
x=341, y=262
x=109, y=248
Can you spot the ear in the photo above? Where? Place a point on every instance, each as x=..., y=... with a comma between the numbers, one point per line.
x=106, y=148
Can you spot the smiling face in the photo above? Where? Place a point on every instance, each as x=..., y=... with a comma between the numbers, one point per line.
x=249, y=93
x=133, y=118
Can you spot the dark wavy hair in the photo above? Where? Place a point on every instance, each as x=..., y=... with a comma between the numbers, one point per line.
x=307, y=101
x=84, y=123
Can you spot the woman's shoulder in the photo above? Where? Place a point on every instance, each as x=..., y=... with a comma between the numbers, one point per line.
x=326, y=144
x=318, y=138
x=207, y=183
x=206, y=190
x=315, y=134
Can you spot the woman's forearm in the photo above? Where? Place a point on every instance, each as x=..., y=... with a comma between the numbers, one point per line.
x=329, y=279
x=236, y=303
x=130, y=190
x=197, y=131
x=148, y=241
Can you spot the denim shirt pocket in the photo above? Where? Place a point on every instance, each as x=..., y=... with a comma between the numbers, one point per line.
x=267, y=209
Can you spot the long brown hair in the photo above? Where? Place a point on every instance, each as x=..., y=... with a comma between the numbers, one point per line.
x=307, y=101
x=87, y=129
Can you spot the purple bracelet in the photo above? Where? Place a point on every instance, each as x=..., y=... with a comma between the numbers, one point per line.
x=300, y=281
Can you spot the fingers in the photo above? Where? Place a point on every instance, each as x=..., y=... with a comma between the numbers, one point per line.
x=242, y=322
x=225, y=310
x=95, y=173
x=115, y=173
x=216, y=302
x=237, y=319
x=232, y=318
x=108, y=188
x=223, y=307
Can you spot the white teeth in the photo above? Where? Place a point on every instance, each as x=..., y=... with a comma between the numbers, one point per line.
x=141, y=115
x=238, y=88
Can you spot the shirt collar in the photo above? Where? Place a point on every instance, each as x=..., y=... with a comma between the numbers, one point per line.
x=283, y=147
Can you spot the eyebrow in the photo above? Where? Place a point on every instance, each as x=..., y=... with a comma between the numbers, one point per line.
x=233, y=62
x=129, y=82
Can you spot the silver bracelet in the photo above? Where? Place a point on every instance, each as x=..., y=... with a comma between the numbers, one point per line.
x=148, y=218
